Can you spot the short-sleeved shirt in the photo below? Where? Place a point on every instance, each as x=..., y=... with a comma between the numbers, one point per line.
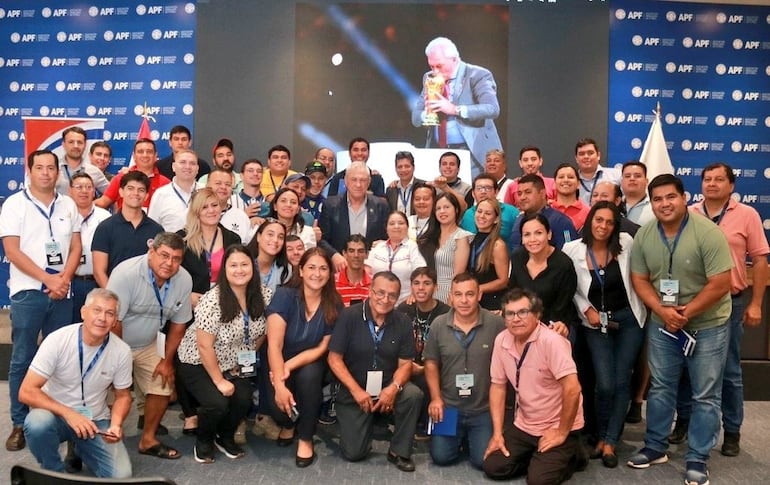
x=443, y=346
x=602, y=174
x=539, y=395
x=349, y=291
x=228, y=336
x=271, y=183
x=169, y=206
x=58, y=361
x=156, y=181
x=140, y=311
x=421, y=323
x=702, y=252
x=742, y=226
x=21, y=216
x=351, y=339
x=402, y=260
x=65, y=176
x=641, y=212
x=301, y=334
x=88, y=227
x=120, y=240
x=577, y=212
x=511, y=194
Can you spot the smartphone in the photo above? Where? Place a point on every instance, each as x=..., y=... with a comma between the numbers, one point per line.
x=294, y=416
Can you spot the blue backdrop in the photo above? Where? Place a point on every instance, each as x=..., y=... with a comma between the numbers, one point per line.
x=709, y=66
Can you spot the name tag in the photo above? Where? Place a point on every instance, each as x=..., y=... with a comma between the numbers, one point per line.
x=374, y=382
x=669, y=292
x=464, y=384
x=247, y=360
x=53, y=253
x=160, y=345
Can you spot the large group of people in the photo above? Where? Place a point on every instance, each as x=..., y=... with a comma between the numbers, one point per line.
x=428, y=305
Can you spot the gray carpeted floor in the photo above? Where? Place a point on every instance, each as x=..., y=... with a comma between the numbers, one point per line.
x=266, y=463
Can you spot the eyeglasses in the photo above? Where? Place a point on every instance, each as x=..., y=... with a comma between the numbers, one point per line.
x=83, y=187
x=382, y=294
x=522, y=314
x=272, y=220
x=485, y=188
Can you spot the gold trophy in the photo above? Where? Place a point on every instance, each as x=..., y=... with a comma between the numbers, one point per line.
x=434, y=89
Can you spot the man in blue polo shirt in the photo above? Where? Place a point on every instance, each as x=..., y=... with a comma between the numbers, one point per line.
x=127, y=233
x=531, y=193
x=485, y=187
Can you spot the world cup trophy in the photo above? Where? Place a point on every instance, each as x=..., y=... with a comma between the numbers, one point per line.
x=434, y=89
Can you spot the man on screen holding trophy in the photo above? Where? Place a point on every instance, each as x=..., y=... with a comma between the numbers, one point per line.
x=458, y=104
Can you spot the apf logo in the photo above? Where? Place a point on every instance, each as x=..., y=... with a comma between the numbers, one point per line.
x=670, y=118
x=620, y=116
x=736, y=146
x=620, y=65
x=620, y=14
x=636, y=91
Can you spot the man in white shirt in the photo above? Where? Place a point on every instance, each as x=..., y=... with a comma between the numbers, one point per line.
x=588, y=156
x=74, y=144
x=170, y=202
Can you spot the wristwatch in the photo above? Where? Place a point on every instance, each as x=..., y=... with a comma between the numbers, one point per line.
x=462, y=111
x=399, y=387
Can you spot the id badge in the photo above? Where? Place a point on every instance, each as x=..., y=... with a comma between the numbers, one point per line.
x=160, y=345
x=246, y=361
x=603, y=321
x=53, y=254
x=82, y=259
x=374, y=382
x=84, y=411
x=464, y=384
x=669, y=292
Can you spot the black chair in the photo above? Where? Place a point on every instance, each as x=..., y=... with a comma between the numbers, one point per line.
x=26, y=475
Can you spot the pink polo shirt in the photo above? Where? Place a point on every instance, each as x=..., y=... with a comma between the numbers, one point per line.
x=512, y=196
x=577, y=212
x=539, y=395
x=745, y=234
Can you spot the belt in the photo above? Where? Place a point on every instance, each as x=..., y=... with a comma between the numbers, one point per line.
x=84, y=277
x=737, y=295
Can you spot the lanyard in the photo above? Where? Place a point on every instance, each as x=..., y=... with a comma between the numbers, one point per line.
x=599, y=272
x=178, y=194
x=392, y=254
x=376, y=336
x=593, y=184
x=672, y=248
x=520, y=362
x=275, y=189
x=211, y=247
x=501, y=182
x=161, y=301
x=93, y=361
x=42, y=212
x=405, y=196
x=465, y=342
x=475, y=253
x=246, y=336
x=716, y=219
x=269, y=277
x=85, y=219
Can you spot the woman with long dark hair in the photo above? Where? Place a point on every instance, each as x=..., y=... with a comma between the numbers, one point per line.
x=613, y=316
x=218, y=353
x=285, y=207
x=268, y=249
x=300, y=319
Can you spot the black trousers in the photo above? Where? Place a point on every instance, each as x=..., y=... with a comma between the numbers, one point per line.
x=217, y=414
x=305, y=384
x=550, y=468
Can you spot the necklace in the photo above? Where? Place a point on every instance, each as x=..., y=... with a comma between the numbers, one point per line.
x=422, y=321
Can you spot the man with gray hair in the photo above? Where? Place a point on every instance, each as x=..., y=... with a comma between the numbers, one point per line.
x=466, y=108
x=154, y=290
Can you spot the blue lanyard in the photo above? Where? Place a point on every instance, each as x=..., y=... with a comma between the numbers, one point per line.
x=593, y=185
x=520, y=362
x=599, y=272
x=85, y=219
x=672, y=247
x=161, y=301
x=716, y=219
x=392, y=254
x=43, y=213
x=269, y=277
x=405, y=196
x=246, y=336
x=377, y=339
x=93, y=361
x=475, y=254
x=178, y=194
x=211, y=248
x=465, y=342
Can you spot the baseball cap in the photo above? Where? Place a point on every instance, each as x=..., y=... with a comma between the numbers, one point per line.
x=297, y=176
x=315, y=166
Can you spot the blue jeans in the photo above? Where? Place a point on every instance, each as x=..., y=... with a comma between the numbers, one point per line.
x=44, y=431
x=614, y=355
x=32, y=312
x=705, y=368
x=477, y=428
x=732, y=382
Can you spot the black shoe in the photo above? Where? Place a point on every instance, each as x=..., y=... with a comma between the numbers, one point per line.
x=229, y=448
x=731, y=446
x=203, y=452
x=304, y=462
x=328, y=414
x=610, y=460
x=634, y=413
x=679, y=435
x=403, y=464
x=72, y=462
x=161, y=431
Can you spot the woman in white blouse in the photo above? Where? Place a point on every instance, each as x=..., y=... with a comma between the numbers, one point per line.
x=398, y=254
x=219, y=350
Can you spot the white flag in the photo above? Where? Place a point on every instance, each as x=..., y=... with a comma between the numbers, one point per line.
x=655, y=154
